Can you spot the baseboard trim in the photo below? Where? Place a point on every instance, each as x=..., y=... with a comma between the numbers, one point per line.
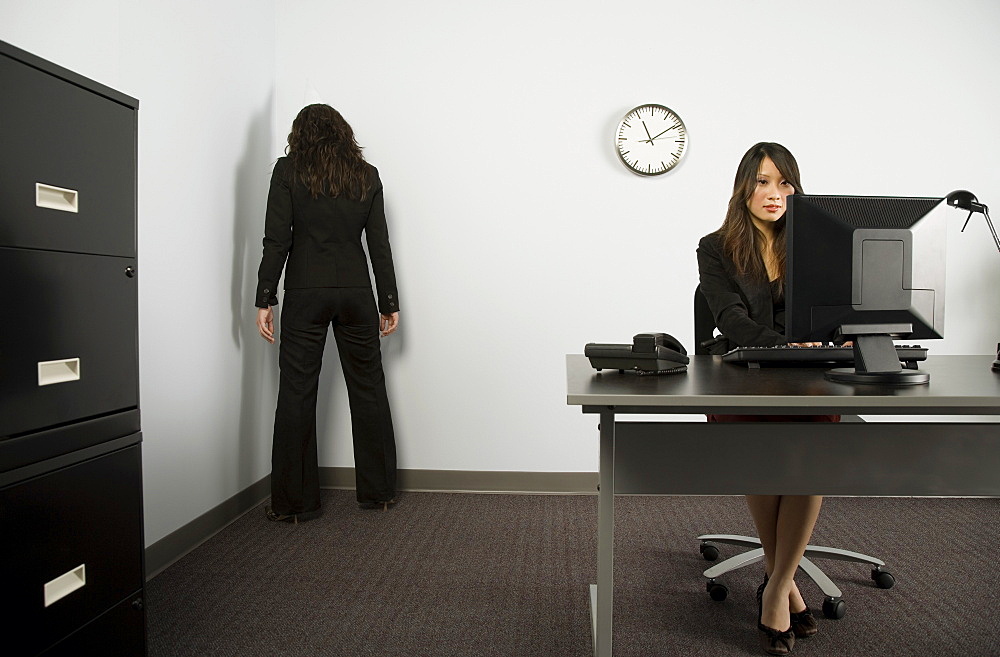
x=172, y=547
x=464, y=481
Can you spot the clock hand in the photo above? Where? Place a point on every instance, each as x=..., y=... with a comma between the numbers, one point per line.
x=650, y=140
x=659, y=135
x=676, y=125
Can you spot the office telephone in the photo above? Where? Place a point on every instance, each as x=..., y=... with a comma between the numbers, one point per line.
x=649, y=353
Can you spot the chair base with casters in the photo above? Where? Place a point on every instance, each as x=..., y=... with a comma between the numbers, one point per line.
x=834, y=606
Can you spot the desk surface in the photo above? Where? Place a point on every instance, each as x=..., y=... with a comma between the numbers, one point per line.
x=958, y=385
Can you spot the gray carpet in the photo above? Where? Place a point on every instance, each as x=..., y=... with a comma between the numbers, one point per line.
x=458, y=574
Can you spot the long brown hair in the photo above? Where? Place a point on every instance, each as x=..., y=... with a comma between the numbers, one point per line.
x=742, y=241
x=325, y=156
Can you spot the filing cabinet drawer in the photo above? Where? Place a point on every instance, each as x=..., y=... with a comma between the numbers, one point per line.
x=68, y=344
x=81, y=147
x=72, y=548
x=120, y=632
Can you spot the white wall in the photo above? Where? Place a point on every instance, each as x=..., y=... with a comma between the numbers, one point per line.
x=519, y=237
x=204, y=76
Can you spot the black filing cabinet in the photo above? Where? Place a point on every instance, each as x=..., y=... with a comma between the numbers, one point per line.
x=71, y=556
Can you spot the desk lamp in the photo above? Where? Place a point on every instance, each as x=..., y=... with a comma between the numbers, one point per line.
x=965, y=200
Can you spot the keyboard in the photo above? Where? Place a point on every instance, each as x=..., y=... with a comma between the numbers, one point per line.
x=812, y=356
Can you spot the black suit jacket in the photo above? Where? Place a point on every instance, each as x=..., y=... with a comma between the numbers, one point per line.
x=742, y=308
x=321, y=240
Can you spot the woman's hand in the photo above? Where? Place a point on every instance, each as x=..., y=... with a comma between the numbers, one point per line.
x=388, y=323
x=805, y=344
x=265, y=324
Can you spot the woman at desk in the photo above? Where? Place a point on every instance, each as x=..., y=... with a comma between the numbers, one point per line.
x=742, y=269
x=323, y=196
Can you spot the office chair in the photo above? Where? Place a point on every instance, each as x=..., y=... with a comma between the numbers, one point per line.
x=833, y=604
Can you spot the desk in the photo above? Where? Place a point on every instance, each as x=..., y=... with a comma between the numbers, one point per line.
x=698, y=458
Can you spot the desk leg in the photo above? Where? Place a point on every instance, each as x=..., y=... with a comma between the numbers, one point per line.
x=604, y=599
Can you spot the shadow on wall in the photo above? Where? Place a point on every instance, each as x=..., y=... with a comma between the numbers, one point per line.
x=395, y=345
x=260, y=360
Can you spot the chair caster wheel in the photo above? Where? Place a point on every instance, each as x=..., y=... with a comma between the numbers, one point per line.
x=834, y=608
x=716, y=591
x=709, y=551
x=883, y=578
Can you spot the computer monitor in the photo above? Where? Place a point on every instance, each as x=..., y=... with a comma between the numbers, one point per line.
x=868, y=269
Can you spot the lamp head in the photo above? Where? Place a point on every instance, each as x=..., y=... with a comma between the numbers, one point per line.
x=965, y=200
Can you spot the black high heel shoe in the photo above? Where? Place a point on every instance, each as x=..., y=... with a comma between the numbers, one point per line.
x=384, y=505
x=804, y=624
x=292, y=518
x=760, y=599
x=772, y=641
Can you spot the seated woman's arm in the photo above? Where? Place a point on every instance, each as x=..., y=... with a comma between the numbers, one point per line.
x=731, y=314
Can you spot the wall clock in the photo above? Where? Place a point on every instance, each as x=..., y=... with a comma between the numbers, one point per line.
x=651, y=140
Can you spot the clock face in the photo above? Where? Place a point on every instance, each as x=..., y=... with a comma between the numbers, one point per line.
x=651, y=140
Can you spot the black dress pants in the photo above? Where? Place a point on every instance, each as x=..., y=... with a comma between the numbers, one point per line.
x=305, y=318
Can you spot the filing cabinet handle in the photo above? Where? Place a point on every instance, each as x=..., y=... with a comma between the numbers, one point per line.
x=56, y=198
x=58, y=371
x=65, y=584
x=130, y=272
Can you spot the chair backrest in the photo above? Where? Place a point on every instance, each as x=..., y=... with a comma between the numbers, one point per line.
x=704, y=321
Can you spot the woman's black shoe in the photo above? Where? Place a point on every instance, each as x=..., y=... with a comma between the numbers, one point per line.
x=774, y=642
x=378, y=505
x=293, y=518
x=760, y=599
x=804, y=624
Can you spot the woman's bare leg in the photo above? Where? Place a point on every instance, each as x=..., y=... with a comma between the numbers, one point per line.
x=794, y=517
x=764, y=511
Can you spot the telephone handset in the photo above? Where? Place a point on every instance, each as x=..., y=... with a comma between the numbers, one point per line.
x=661, y=343
x=649, y=353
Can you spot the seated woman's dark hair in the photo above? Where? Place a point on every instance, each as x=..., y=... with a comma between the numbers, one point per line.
x=324, y=155
x=741, y=239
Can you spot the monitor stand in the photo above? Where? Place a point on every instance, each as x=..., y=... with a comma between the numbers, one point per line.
x=875, y=359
